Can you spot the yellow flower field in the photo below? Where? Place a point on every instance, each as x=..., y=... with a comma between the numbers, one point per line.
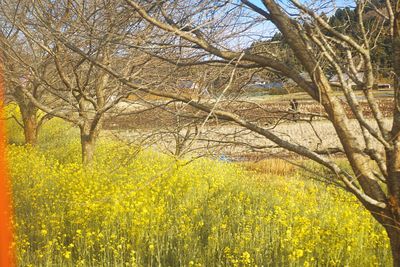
x=145, y=209
x=141, y=208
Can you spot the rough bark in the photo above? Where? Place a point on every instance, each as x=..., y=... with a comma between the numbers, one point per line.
x=394, y=237
x=88, y=148
x=89, y=132
x=29, y=117
x=30, y=123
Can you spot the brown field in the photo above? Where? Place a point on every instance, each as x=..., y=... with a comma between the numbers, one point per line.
x=221, y=138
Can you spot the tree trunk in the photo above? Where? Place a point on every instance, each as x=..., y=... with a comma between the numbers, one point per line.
x=30, y=129
x=29, y=117
x=30, y=123
x=394, y=237
x=88, y=147
x=89, y=132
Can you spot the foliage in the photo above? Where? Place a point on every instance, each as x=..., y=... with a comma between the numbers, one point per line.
x=345, y=20
x=133, y=208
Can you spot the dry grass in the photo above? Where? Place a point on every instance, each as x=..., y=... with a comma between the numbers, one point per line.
x=271, y=166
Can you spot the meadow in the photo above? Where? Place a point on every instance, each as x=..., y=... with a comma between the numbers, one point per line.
x=135, y=207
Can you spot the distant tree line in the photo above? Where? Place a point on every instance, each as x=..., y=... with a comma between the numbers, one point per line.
x=344, y=20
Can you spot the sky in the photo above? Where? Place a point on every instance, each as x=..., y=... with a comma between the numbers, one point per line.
x=265, y=30
x=339, y=3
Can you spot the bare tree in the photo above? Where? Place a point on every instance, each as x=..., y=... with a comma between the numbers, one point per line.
x=205, y=29
x=76, y=91
x=17, y=75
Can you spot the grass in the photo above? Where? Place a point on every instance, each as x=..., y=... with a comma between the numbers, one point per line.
x=273, y=166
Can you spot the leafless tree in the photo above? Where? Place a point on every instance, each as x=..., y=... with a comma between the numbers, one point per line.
x=17, y=75
x=76, y=90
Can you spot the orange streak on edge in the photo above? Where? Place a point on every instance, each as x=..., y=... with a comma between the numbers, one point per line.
x=7, y=255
